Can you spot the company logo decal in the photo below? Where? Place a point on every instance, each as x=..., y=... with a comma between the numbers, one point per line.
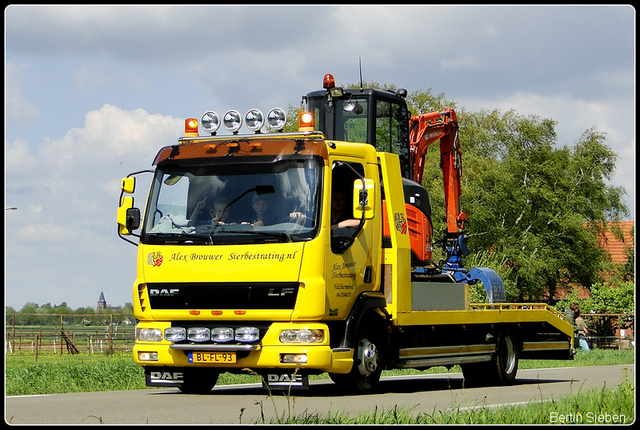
x=164, y=292
x=401, y=222
x=166, y=377
x=154, y=259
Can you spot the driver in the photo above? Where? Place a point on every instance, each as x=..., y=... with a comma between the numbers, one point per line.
x=214, y=213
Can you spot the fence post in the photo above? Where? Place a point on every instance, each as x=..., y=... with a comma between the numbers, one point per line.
x=111, y=335
x=36, y=350
x=61, y=334
x=13, y=329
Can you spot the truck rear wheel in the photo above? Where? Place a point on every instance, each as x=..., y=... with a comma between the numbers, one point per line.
x=502, y=368
x=506, y=359
x=367, y=362
x=198, y=381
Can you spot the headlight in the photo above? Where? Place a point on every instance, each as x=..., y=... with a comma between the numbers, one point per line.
x=210, y=122
x=304, y=335
x=276, y=119
x=221, y=334
x=175, y=334
x=198, y=334
x=149, y=335
x=254, y=120
x=247, y=334
x=232, y=121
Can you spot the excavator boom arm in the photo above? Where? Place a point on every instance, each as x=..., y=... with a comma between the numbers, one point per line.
x=426, y=129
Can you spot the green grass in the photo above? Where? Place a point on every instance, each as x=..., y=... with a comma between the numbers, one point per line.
x=55, y=373
x=596, y=406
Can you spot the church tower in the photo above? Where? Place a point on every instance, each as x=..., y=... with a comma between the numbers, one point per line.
x=102, y=303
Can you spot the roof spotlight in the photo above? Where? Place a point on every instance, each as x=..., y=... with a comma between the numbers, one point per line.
x=232, y=121
x=276, y=119
x=254, y=120
x=210, y=122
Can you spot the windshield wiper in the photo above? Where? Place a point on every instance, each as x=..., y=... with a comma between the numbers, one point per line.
x=217, y=237
x=279, y=234
x=180, y=238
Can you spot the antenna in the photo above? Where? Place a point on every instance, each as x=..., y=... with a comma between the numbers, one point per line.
x=360, y=65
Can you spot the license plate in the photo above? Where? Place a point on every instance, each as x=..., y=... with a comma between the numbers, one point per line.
x=212, y=357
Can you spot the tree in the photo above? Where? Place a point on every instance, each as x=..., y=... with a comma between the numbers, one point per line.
x=530, y=200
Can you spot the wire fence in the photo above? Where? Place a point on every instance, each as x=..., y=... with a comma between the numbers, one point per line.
x=610, y=331
x=69, y=333
x=109, y=333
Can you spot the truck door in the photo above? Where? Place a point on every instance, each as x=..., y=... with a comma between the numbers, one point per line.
x=351, y=267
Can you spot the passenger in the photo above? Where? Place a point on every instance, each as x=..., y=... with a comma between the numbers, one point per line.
x=340, y=214
x=200, y=212
x=261, y=206
x=214, y=213
x=218, y=212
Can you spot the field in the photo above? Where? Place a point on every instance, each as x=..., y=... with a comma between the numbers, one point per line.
x=56, y=373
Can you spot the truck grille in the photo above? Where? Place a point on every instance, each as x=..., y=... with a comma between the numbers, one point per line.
x=223, y=295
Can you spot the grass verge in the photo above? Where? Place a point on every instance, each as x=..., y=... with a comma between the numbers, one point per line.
x=55, y=373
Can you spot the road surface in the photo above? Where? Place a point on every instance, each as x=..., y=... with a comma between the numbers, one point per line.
x=249, y=403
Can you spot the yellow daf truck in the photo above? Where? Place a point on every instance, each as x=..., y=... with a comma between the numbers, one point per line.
x=300, y=253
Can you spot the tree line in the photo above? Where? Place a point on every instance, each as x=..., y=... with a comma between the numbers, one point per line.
x=48, y=314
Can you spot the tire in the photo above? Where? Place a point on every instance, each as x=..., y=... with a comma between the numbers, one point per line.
x=502, y=368
x=198, y=381
x=368, y=362
x=506, y=359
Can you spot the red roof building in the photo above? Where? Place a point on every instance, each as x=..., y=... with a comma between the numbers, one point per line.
x=616, y=247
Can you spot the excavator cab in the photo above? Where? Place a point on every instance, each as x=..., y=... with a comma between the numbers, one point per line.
x=380, y=118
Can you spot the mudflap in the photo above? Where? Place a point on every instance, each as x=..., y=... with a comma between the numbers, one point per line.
x=285, y=381
x=163, y=377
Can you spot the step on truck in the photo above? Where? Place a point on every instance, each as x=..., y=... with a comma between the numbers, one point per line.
x=288, y=254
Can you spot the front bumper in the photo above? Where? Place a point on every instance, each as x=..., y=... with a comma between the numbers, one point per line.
x=268, y=354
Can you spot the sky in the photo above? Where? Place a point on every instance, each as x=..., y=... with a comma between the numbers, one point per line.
x=93, y=92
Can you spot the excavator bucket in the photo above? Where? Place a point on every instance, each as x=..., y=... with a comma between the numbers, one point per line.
x=492, y=283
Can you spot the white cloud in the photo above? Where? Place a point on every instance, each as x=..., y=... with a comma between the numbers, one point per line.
x=45, y=233
x=19, y=111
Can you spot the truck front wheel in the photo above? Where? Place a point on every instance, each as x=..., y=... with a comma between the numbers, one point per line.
x=198, y=381
x=367, y=362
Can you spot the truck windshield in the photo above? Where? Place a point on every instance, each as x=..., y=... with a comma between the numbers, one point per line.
x=235, y=203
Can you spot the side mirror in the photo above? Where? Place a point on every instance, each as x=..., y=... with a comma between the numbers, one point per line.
x=363, y=198
x=128, y=184
x=128, y=216
x=132, y=219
